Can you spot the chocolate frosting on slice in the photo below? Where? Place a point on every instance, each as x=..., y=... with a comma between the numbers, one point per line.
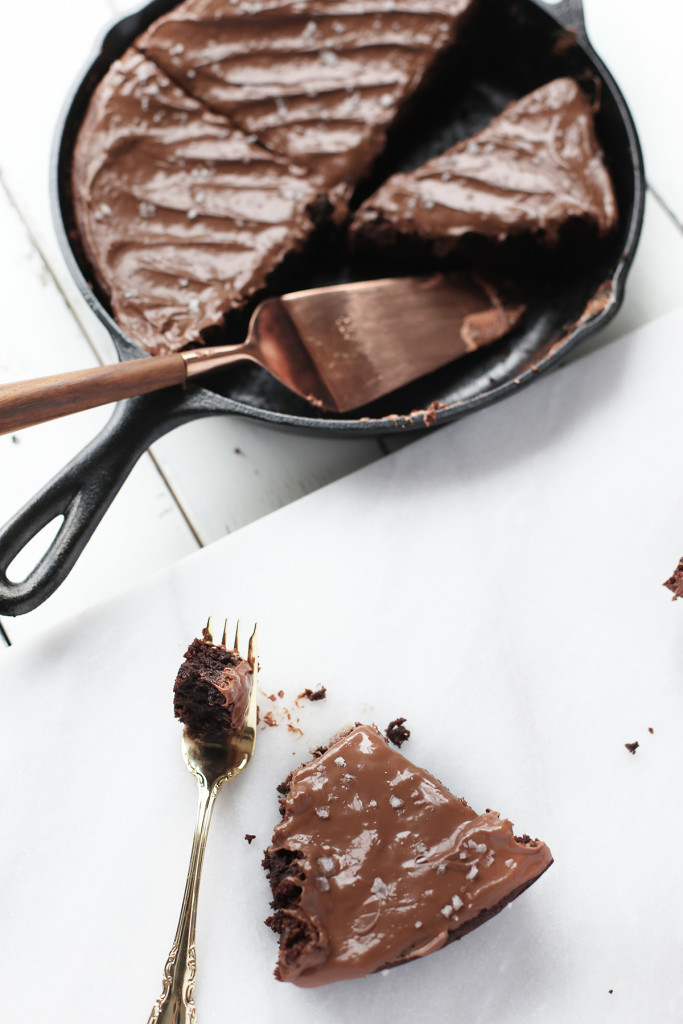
x=383, y=864
x=317, y=81
x=180, y=215
x=533, y=169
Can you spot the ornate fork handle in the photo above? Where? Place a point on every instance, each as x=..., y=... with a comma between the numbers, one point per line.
x=212, y=761
x=175, y=1005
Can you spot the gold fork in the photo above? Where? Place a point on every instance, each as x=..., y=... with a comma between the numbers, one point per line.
x=213, y=764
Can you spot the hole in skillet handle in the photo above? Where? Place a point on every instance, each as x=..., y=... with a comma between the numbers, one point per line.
x=81, y=493
x=59, y=498
x=21, y=565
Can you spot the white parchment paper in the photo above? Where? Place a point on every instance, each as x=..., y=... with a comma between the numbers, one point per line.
x=498, y=583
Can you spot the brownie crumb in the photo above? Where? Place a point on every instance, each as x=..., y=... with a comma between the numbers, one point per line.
x=611, y=990
x=280, y=694
x=249, y=838
x=650, y=729
x=430, y=413
x=632, y=747
x=675, y=581
x=396, y=732
x=268, y=719
x=318, y=694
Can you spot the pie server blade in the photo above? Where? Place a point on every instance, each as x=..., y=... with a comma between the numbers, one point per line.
x=339, y=347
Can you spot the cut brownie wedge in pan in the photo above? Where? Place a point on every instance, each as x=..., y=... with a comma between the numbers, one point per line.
x=316, y=81
x=375, y=863
x=535, y=170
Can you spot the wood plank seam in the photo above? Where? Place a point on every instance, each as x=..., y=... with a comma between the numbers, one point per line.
x=665, y=206
x=35, y=245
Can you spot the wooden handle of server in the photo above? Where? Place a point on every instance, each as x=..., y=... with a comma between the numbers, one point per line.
x=25, y=403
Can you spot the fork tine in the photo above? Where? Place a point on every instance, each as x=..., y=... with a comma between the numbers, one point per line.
x=209, y=628
x=253, y=652
x=251, y=716
x=224, y=641
x=237, y=635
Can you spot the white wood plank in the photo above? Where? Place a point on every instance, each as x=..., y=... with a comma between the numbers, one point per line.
x=640, y=44
x=61, y=41
x=144, y=530
x=654, y=283
x=229, y=471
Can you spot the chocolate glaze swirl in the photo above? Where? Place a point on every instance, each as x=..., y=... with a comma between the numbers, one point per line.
x=181, y=216
x=317, y=81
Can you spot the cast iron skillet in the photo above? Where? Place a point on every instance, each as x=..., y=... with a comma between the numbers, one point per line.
x=516, y=46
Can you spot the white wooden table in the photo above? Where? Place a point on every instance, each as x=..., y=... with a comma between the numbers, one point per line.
x=216, y=475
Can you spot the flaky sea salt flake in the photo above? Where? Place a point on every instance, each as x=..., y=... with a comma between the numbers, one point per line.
x=379, y=888
x=479, y=847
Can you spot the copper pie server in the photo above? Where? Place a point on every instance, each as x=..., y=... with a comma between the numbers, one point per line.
x=339, y=347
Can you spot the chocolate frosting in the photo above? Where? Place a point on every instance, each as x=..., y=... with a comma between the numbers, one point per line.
x=181, y=216
x=317, y=81
x=535, y=167
x=390, y=865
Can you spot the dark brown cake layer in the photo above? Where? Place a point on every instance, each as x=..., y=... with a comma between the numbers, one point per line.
x=316, y=81
x=376, y=863
x=534, y=169
x=212, y=690
x=180, y=215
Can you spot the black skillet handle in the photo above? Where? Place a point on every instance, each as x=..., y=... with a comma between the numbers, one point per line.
x=568, y=13
x=82, y=492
